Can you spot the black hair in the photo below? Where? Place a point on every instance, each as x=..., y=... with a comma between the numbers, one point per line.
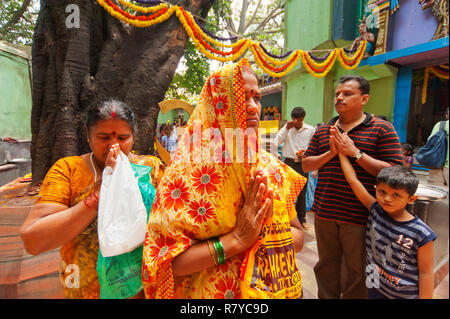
x=298, y=112
x=104, y=111
x=408, y=148
x=162, y=127
x=364, y=85
x=399, y=177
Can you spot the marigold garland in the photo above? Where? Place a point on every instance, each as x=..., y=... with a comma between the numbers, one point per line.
x=353, y=62
x=323, y=69
x=190, y=18
x=259, y=49
x=140, y=22
x=267, y=65
x=319, y=66
x=143, y=9
x=270, y=72
x=265, y=60
x=199, y=46
x=205, y=44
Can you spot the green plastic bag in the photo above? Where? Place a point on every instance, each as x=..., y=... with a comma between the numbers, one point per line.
x=120, y=276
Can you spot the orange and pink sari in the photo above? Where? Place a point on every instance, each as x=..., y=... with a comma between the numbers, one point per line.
x=199, y=198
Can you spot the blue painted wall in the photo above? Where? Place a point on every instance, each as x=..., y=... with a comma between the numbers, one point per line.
x=402, y=101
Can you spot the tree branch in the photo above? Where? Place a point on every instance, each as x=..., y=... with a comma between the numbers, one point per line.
x=16, y=16
x=271, y=15
x=254, y=15
x=245, y=4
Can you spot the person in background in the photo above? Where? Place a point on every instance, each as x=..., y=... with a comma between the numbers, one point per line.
x=439, y=176
x=399, y=246
x=65, y=213
x=312, y=181
x=296, y=136
x=407, y=152
x=163, y=135
x=340, y=219
x=172, y=139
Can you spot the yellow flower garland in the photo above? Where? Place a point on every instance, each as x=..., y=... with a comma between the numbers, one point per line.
x=341, y=55
x=143, y=9
x=137, y=23
x=270, y=72
x=208, y=38
x=343, y=58
x=203, y=50
x=272, y=60
x=312, y=72
x=311, y=61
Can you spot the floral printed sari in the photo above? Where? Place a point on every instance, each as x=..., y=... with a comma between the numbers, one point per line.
x=200, y=196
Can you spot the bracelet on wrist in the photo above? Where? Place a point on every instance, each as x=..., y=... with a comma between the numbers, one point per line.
x=92, y=201
x=217, y=251
x=212, y=252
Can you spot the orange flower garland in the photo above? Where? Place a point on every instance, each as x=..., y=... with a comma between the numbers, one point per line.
x=272, y=65
x=316, y=69
x=349, y=63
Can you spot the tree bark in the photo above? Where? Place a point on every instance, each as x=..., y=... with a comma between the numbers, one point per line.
x=75, y=68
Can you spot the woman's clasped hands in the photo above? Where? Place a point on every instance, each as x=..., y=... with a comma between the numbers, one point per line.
x=257, y=206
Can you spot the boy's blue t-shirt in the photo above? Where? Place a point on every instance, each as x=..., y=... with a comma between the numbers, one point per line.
x=391, y=249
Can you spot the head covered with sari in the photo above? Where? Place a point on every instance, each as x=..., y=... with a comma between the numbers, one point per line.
x=201, y=194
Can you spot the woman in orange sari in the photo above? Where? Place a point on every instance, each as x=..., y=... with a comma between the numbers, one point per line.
x=65, y=214
x=223, y=224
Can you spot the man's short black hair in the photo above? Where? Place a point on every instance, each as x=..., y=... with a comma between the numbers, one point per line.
x=399, y=177
x=364, y=85
x=298, y=112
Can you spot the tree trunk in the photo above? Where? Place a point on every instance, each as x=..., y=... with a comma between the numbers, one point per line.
x=74, y=68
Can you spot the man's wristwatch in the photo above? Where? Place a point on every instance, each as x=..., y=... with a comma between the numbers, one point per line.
x=358, y=155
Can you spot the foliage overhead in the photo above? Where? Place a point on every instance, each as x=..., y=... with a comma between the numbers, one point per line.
x=17, y=20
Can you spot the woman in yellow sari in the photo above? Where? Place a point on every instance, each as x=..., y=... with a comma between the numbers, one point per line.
x=223, y=224
x=65, y=214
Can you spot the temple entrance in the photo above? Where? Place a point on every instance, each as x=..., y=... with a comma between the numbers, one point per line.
x=423, y=116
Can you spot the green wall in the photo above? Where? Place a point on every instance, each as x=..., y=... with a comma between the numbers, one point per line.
x=170, y=116
x=307, y=23
x=15, y=90
x=308, y=26
x=307, y=93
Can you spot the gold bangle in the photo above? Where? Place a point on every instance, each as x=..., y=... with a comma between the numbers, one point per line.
x=212, y=251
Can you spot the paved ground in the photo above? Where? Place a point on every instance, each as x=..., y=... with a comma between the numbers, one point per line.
x=25, y=276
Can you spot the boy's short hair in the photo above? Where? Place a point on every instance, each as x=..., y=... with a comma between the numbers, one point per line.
x=399, y=177
x=298, y=112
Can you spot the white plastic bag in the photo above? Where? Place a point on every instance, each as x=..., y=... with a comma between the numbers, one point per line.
x=122, y=218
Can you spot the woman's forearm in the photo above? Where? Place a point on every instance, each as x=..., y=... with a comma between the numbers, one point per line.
x=41, y=234
x=198, y=257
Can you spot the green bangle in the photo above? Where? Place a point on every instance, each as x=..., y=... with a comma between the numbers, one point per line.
x=219, y=250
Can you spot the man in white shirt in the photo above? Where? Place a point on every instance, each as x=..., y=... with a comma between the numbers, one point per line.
x=296, y=136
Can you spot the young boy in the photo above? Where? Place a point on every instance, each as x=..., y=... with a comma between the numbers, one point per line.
x=399, y=246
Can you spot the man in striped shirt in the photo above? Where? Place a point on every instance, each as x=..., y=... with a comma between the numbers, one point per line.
x=340, y=219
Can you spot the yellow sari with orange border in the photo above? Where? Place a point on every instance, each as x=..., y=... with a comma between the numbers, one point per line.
x=68, y=182
x=199, y=199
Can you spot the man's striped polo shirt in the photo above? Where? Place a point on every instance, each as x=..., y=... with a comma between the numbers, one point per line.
x=333, y=198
